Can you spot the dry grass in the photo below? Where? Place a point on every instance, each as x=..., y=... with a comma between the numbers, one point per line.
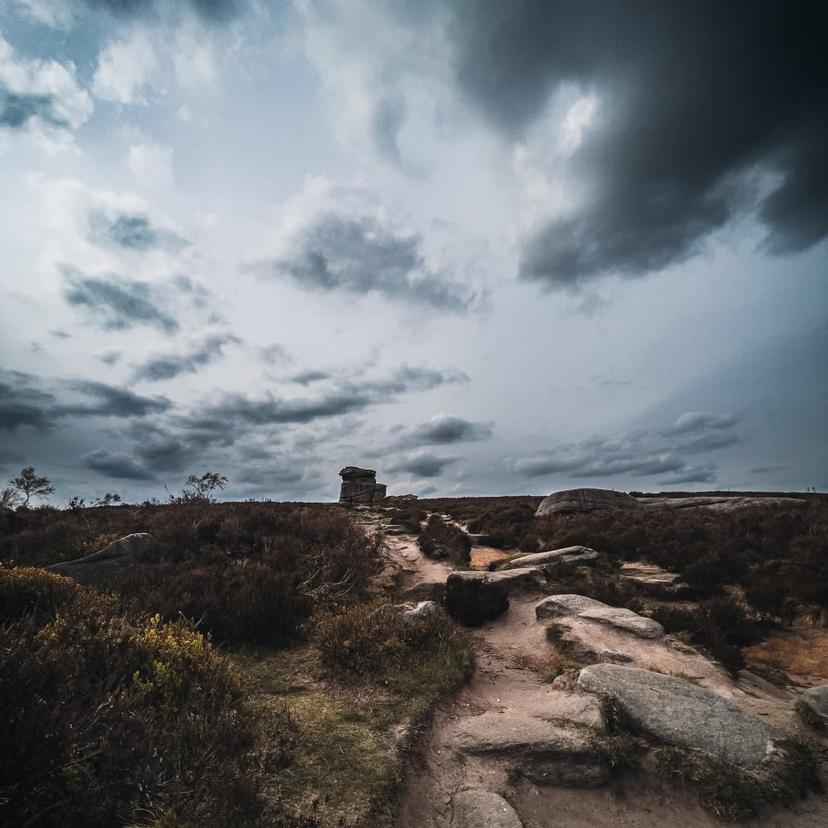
x=801, y=652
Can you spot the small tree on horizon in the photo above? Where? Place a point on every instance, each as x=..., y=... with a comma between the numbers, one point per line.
x=204, y=487
x=9, y=498
x=29, y=484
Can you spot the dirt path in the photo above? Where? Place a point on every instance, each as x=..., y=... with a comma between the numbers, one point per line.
x=514, y=660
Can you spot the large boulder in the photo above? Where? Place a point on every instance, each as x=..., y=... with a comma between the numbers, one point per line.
x=813, y=706
x=579, y=605
x=676, y=712
x=569, y=556
x=107, y=563
x=585, y=500
x=483, y=809
x=473, y=598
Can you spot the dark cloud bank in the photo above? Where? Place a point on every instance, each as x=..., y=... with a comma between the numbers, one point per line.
x=706, y=109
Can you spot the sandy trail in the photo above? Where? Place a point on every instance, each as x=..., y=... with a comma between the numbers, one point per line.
x=513, y=658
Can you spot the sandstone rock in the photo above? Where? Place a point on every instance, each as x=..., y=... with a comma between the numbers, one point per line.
x=409, y=615
x=483, y=809
x=404, y=498
x=552, y=743
x=556, y=605
x=568, y=556
x=561, y=605
x=585, y=500
x=360, y=487
x=110, y=561
x=475, y=597
x=426, y=590
x=613, y=657
x=718, y=503
x=652, y=579
x=676, y=712
x=813, y=706
x=423, y=611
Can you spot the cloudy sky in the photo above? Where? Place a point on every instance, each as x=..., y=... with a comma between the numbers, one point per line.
x=483, y=247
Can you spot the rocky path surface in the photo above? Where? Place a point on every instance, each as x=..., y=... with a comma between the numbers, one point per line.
x=519, y=747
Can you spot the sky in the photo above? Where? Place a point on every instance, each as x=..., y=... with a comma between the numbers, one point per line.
x=482, y=247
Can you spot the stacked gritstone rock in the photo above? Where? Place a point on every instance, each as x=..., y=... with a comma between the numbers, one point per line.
x=360, y=487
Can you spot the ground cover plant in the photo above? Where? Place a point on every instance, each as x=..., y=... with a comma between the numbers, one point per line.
x=171, y=697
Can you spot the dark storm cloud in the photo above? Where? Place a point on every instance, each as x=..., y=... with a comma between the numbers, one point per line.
x=443, y=429
x=309, y=377
x=641, y=453
x=117, y=303
x=423, y=464
x=112, y=401
x=693, y=97
x=692, y=474
x=768, y=469
x=17, y=110
x=133, y=231
x=340, y=252
x=231, y=412
x=24, y=403
x=116, y=464
x=168, y=366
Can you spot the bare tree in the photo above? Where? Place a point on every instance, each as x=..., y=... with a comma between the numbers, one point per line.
x=9, y=498
x=204, y=487
x=30, y=485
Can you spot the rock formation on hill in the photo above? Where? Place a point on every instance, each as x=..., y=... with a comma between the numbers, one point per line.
x=360, y=487
x=585, y=500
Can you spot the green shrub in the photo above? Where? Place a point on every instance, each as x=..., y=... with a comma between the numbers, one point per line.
x=117, y=721
x=444, y=541
x=367, y=640
x=30, y=591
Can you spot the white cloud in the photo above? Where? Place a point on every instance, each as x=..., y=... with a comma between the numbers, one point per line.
x=54, y=13
x=125, y=69
x=47, y=100
x=151, y=164
x=195, y=55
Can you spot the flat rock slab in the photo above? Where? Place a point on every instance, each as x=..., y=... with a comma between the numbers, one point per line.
x=552, y=742
x=592, y=610
x=568, y=556
x=483, y=809
x=676, y=712
x=509, y=579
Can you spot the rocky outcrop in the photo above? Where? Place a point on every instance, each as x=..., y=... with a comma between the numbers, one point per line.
x=813, y=706
x=408, y=615
x=555, y=606
x=551, y=740
x=718, y=503
x=676, y=712
x=103, y=565
x=483, y=809
x=569, y=556
x=653, y=580
x=585, y=500
x=360, y=487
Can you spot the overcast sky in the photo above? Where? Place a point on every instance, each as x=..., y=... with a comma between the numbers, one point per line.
x=482, y=247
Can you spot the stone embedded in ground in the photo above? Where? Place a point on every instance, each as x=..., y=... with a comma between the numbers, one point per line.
x=579, y=605
x=813, y=706
x=551, y=741
x=474, y=601
x=360, y=487
x=568, y=556
x=585, y=500
x=110, y=561
x=568, y=604
x=426, y=590
x=483, y=809
x=526, y=577
x=653, y=580
x=676, y=712
x=407, y=614
x=613, y=657
x=718, y=503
